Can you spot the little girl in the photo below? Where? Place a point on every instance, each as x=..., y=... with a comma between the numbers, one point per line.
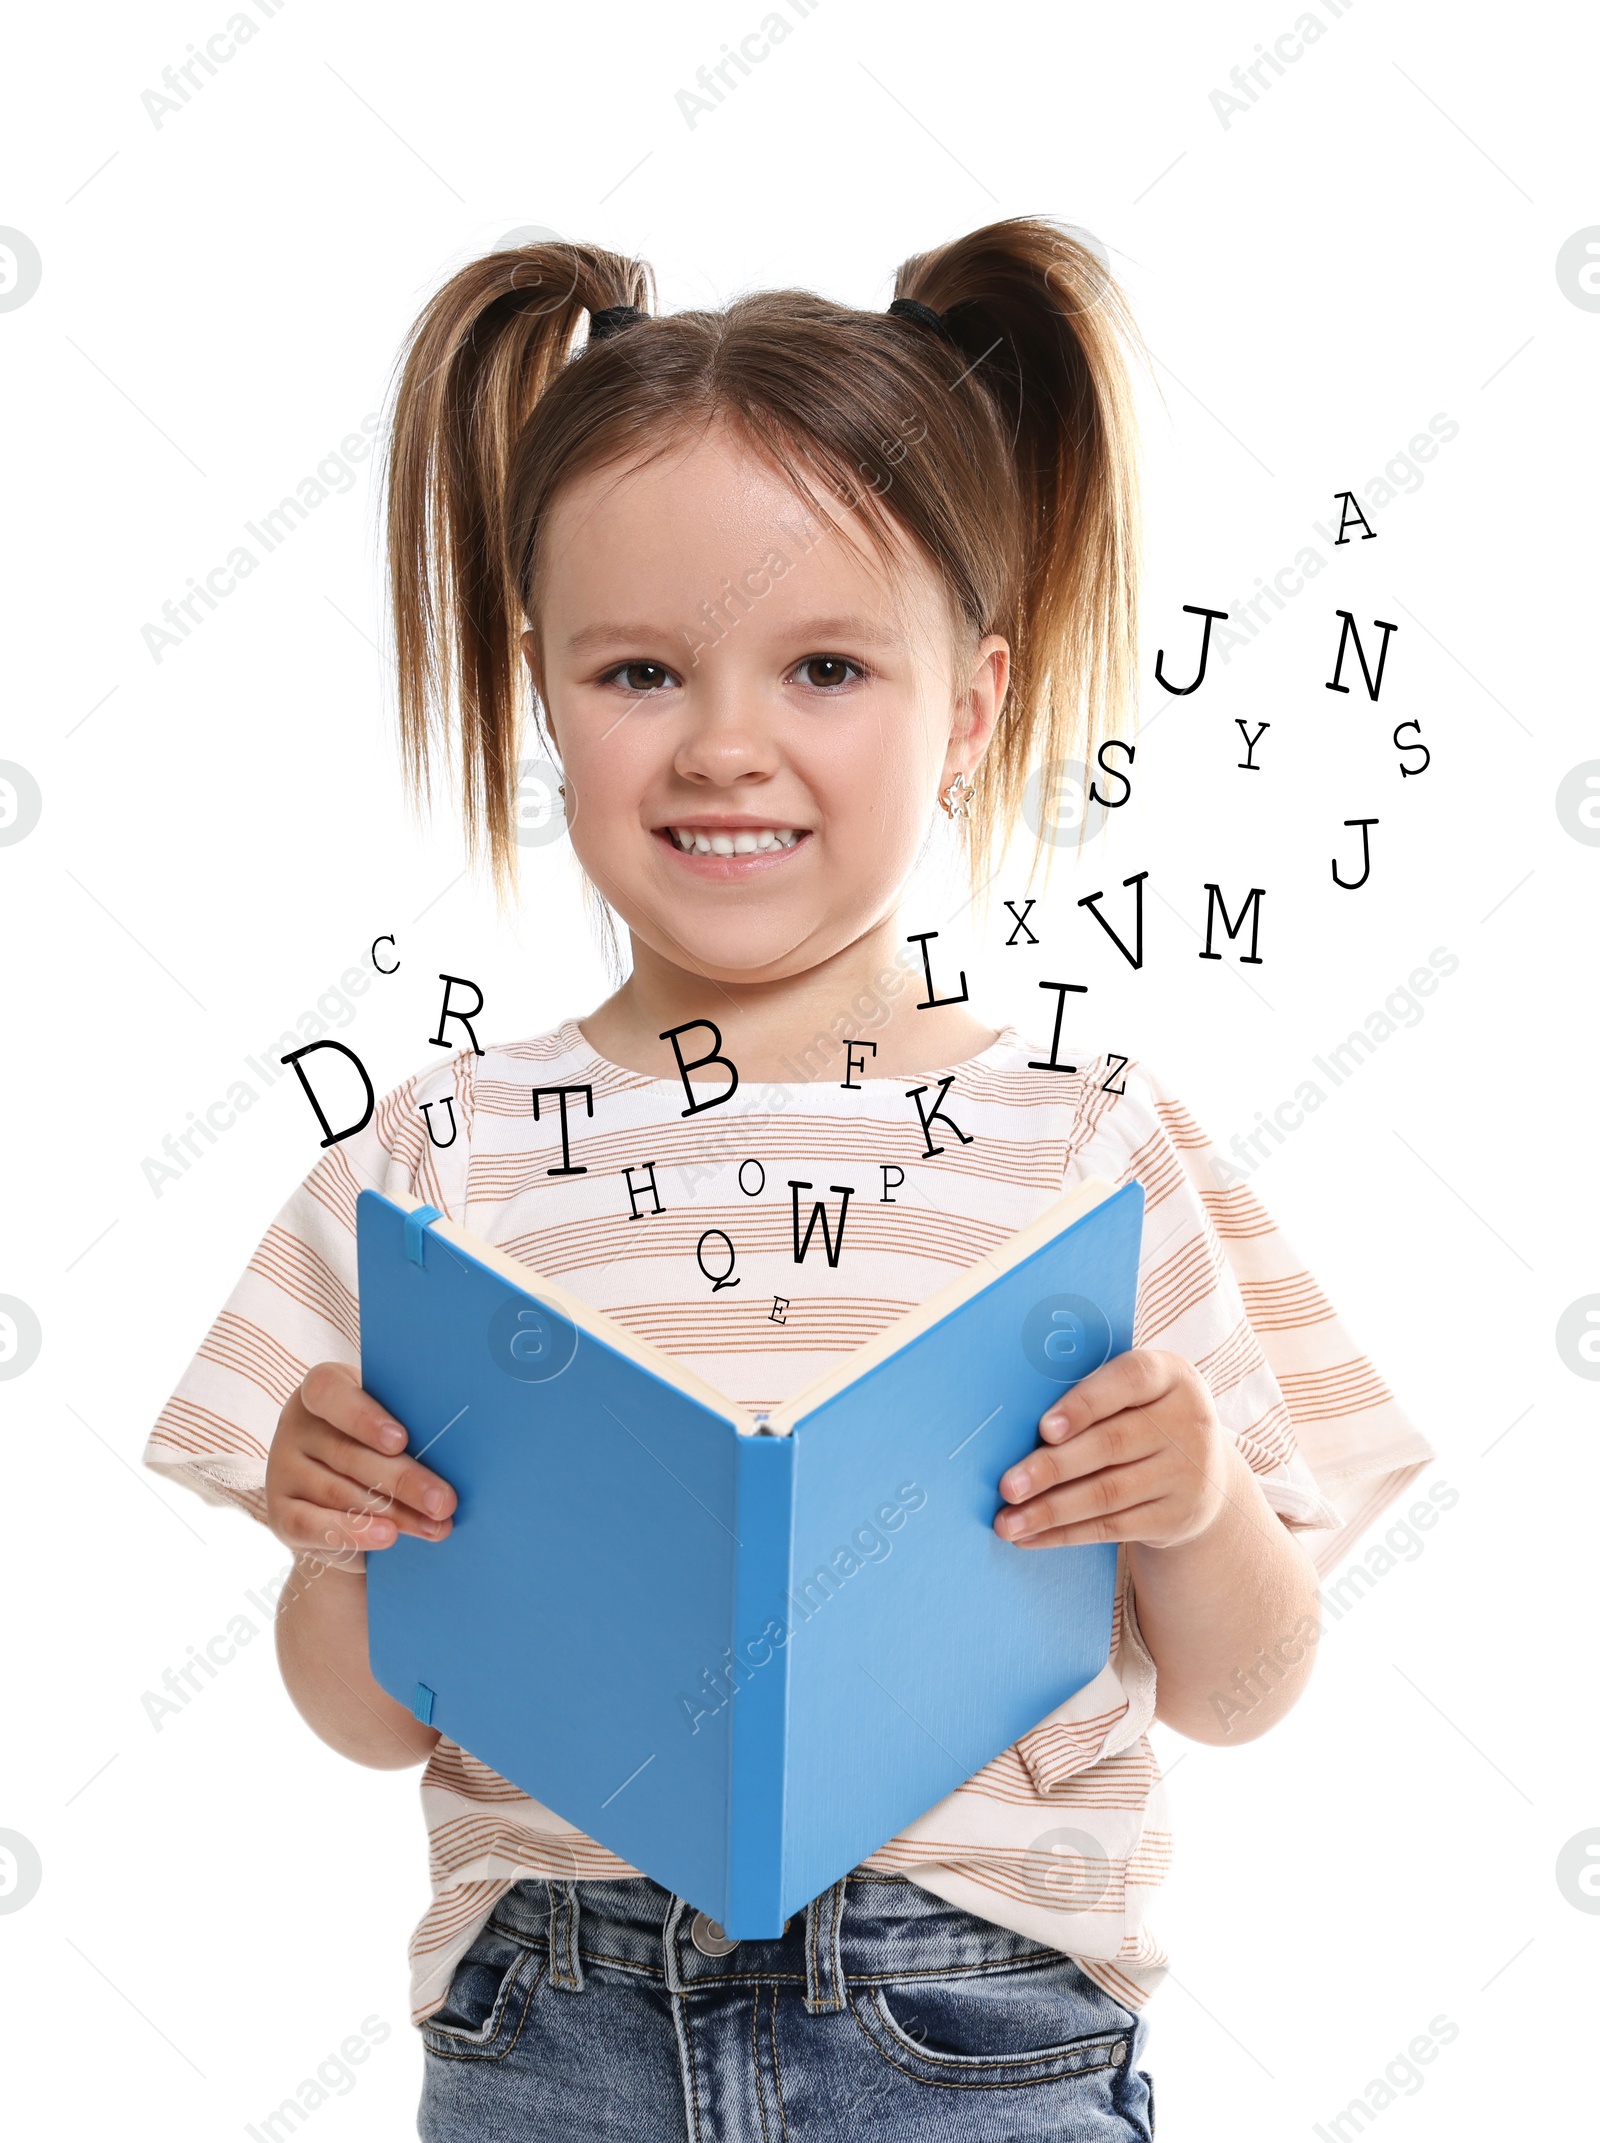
x=786, y=579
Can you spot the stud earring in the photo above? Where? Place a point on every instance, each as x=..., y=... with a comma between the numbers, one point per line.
x=957, y=799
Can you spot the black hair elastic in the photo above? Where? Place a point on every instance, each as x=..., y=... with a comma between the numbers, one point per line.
x=924, y=315
x=612, y=319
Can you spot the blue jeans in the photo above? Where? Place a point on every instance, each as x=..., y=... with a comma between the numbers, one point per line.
x=592, y=2013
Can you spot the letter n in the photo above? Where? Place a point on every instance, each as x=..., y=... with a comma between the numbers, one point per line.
x=1347, y=632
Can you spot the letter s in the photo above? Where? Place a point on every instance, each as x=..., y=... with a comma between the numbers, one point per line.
x=1113, y=803
x=1427, y=756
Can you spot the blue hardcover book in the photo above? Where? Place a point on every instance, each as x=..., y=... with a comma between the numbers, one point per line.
x=784, y=1637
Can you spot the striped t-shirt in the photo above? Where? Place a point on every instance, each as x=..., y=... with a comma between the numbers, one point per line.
x=1063, y=1837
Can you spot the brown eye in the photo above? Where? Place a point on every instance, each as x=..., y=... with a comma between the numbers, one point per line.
x=640, y=676
x=827, y=671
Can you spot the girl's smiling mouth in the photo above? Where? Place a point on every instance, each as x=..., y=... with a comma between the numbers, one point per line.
x=731, y=846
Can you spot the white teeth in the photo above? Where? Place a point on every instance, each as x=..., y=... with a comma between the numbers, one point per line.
x=746, y=843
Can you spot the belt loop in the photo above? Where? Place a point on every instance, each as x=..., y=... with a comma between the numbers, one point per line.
x=825, y=1980
x=566, y=1966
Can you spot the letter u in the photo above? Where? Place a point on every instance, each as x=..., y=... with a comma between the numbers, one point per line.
x=448, y=1105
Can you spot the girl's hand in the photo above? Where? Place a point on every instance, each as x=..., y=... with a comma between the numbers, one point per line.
x=1134, y=1452
x=333, y=1479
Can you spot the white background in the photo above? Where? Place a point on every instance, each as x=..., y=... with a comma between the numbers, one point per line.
x=1371, y=243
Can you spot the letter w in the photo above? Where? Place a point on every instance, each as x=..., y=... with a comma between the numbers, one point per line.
x=831, y=1244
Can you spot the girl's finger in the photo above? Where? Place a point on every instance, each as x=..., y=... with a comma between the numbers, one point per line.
x=1137, y=1378
x=1117, y=1441
x=402, y=1480
x=333, y=1490
x=1102, y=1495
x=1142, y=1522
x=331, y=1392
x=303, y=1524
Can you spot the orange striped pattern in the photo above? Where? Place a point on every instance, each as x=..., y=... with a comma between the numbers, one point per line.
x=1064, y=1836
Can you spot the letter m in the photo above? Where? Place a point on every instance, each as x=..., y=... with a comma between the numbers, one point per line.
x=1250, y=912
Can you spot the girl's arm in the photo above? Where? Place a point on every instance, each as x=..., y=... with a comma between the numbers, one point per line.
x=1226, y=1596
x=338, y=1478
x=322, y=1654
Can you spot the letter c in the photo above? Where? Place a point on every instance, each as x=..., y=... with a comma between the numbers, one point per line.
x=373, y=953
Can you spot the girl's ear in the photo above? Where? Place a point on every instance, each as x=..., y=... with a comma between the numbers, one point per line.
x=977, y=708
x=530, y=652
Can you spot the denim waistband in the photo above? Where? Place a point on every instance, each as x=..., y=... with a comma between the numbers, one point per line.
x=865, y=1928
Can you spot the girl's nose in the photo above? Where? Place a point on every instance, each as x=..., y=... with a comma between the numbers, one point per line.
x=725, y=742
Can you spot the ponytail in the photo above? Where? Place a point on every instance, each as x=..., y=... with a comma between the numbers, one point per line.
x=1042, y=327
x=480, y=357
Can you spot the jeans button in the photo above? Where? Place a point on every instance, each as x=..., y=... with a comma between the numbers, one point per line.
x=708, y=1937
x=1119, y=2053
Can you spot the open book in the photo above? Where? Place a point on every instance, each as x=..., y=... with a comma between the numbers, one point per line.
x=741, y=1651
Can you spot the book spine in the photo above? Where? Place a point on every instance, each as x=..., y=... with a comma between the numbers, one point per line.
x=758, y=1733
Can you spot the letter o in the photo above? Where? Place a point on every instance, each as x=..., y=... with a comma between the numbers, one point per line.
x=761, y=1186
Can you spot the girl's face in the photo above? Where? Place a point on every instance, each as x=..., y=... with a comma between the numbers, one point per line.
x=754, y=718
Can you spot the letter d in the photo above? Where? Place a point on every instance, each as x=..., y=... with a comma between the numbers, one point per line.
x=330, y=1136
